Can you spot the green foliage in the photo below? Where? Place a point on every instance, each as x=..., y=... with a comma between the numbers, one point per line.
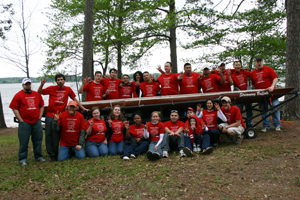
x=5, y=21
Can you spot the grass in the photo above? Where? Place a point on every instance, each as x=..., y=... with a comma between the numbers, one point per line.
x=248, y=171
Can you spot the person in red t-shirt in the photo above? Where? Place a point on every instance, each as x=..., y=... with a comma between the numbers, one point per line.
x=168, y=81
x=173, y=135
x=210, y=82
x=70, y=125
x=137, y=80
x=235, y=126
x=149, y=87
x=137, y=144
x=111, y=85
x=28, y=107
x=264, y=77
x=58, y=99
x=239, y=77
x=189, y=81
x=125, y=88
x=96, y=140
x=154, y=130
x=226, y=86
x=94, y=89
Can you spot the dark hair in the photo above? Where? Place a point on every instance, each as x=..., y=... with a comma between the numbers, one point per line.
x=145, y=72
x=236, y=61
x=97, y=72
x=141, y=75
x=93, y=109
x=139, y=113
x=112, y=116
x=59, y=76
x=186, y=64
x=170, y=63
x=211, y=101
x=113, y=69
x=125, y=75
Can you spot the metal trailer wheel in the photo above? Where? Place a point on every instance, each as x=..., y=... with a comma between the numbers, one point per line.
x=250, y=133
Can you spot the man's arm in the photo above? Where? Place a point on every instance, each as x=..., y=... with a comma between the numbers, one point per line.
x=222, y=77
x=41, y=112
x=229, y=78
x=17, y=114
x=179, y=131
x=235, y=124
x=43, y=81
x=272, y=87
x=79, y=104
x=180, y=77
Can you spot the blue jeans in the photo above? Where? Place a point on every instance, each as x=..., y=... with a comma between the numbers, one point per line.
x=276, y=115
x=26, y=130
x=210, y=137
x=115, y=148
x=65, y=153
x=152, y=148
x=95, y=149
x=136, y=149
x=197, y=139
x=249, y=113
x=188, y=143
x=174, y=142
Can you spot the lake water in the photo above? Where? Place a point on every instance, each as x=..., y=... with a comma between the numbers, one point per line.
x=8, y=91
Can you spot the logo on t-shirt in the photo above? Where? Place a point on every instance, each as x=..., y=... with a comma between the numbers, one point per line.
x=112, y=85
x=117, y=127
x=241, y=80
x=97, y=92
x=126, y=91
x=209, y=120
x=208, y=84
x=189, y=81
x=100, y=128
x=259, y=77
x=166, y=83
x=154, y=131
x=140, y=133
x=149, y=90
x=71, y=126
x=31, y=104
x=60, y=97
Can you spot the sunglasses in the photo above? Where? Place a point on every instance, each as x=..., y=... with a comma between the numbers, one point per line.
x=174, y=111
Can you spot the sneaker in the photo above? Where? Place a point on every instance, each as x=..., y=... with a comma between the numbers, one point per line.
x=198, y=149
x=264, y=130
x=42, y=160
x=239, y=140
x=165, y=154
x=188, y=152
x=149, y=155
x=125, y=158
x=277, y=128
x=181, y=154
x=155, y=156
x=24, y=163
x=132, y=156
x=195, y=149
x=208, y=150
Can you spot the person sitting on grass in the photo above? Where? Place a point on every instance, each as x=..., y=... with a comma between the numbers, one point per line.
x=154, y=130
x=71, y=126
x=173, y=136
x=235, y=125
x=96, y=141
x=137, y=143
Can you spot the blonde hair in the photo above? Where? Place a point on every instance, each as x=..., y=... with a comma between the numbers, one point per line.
x=112, y=116
x=159, y=115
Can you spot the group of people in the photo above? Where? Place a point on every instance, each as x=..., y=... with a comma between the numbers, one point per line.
x=115, y=136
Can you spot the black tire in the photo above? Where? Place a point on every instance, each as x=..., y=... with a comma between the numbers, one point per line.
x=250, y=133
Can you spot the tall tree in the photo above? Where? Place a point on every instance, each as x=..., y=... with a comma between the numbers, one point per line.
x=5, y=21
x=292, y=110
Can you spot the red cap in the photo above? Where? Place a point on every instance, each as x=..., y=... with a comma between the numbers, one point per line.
x=189, y=108
x=73, y=103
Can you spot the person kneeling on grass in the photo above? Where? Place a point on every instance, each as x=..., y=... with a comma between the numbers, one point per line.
x=71, y=126
x=137, y=144
x=154, y=130
x=235, y=126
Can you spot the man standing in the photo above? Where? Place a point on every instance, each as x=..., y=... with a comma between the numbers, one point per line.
x=28, y=107
x=58, y=99
x=226, y=86
x=126, y=89
x=264, y=77
x=173, y=135
x=149, y=87
x=94, y=89
x=189, y=81
x=111, y=85
x=235, y=125
x=210, y=82
x=168, y=81
x=70, y=125
x=239, y=78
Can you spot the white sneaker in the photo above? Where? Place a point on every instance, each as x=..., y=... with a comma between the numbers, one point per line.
x=194, y=149
x=181, y=154
x=132, y=156
x=125, y=158
x=264, y=130
x=165, y=154
x=277, y=128
x=198, y=149
x=24, y=163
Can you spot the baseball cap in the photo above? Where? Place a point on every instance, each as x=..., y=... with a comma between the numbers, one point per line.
x=226, y=99
x=191, y=109
x=220, y=63
x=73, y=103
x=258, y=58
x=26, y=80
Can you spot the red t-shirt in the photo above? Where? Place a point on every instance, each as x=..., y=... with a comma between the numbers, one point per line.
x=155, y=130
x=174, y=126
x=199, y=126
x=233, y=114
x=113, y=85
x=28, y=105
x=126, y=91
x=98, y=130
x=149, y=89
x=117, y=128
x=210, y=83
x=136, y=131
x=210, y=118
x=225, y=86
x=71, y=125
x=189, y=84
x=94, y=91
x=262, y=79
x=168, y=84
x=240, y=79
x=58, y=98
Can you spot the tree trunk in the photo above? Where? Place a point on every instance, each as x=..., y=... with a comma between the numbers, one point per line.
x=2, y=121
x=172, y=40
x=88, y=65
x=292, y=76
x=119, y=42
